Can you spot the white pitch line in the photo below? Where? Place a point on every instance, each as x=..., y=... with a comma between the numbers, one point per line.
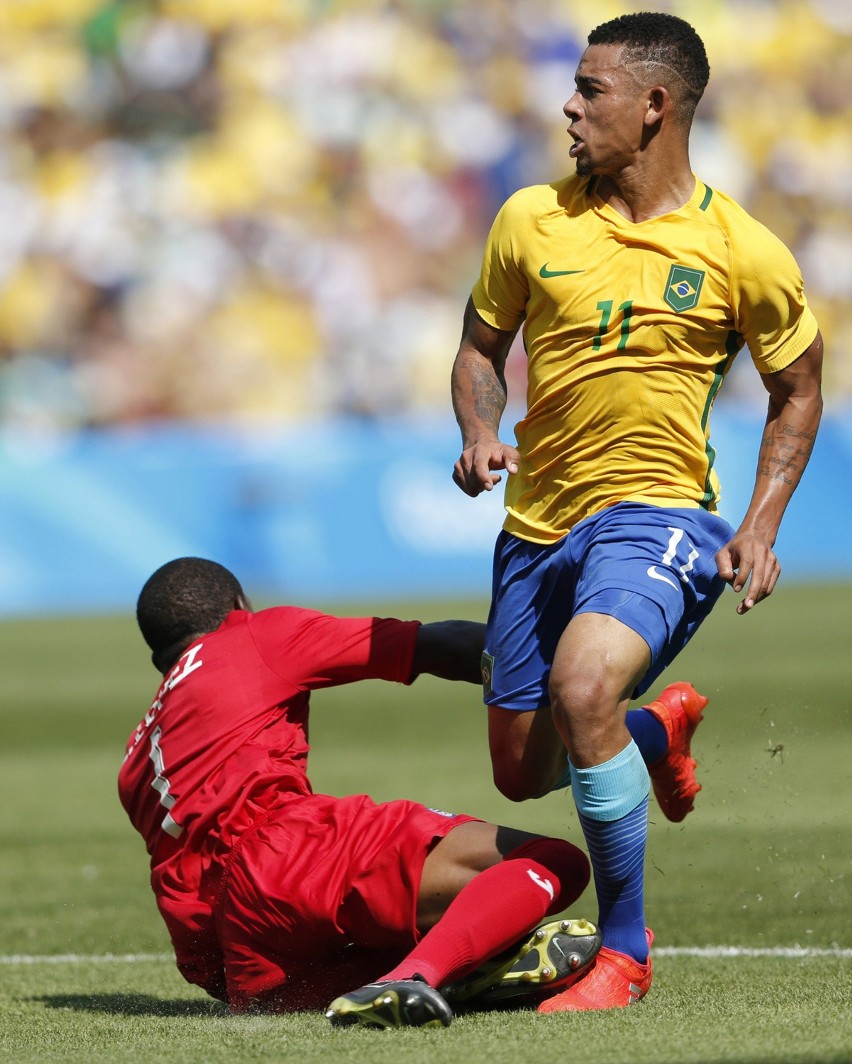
x=711, y=952
x=84, y=958
x=745, y=951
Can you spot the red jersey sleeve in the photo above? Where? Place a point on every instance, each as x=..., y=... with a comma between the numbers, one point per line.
x=313, y=650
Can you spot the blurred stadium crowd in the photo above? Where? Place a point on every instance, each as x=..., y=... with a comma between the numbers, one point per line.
x=274, y=209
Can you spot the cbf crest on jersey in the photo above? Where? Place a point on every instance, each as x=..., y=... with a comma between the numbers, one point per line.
x=683, y=287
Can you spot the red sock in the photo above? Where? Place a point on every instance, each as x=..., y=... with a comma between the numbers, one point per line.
x=496, y=908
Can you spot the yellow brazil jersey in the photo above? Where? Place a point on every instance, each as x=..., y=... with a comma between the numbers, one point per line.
x=629, y=330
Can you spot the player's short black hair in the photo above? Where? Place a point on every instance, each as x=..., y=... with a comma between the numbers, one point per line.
x=180, y=601
x=653, y=37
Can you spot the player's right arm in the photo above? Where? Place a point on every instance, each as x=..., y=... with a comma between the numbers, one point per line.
x=450, y=649
x=795, y=409
x=479, y=399
x=781, y=331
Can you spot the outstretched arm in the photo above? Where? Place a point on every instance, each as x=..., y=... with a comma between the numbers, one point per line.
x=479, y=399
x=450, y=649
x=795, y=408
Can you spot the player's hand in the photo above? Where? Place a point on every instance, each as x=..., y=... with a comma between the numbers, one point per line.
x=749, y=561
x=474, y=471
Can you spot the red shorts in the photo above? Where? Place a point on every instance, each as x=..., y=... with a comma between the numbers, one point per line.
x=322, y=897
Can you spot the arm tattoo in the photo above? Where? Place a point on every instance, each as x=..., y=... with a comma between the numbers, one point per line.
x=489, y=390
x=784, y=453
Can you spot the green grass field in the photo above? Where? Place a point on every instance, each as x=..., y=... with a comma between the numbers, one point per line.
x=762, y=865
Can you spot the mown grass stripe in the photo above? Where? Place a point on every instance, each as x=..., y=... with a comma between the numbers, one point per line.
x=711, y=952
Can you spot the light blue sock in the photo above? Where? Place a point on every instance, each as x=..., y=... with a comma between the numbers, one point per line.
x=645, y=730
x=612, y=802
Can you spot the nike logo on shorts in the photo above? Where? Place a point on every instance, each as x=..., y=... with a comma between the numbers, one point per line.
x=655, y=575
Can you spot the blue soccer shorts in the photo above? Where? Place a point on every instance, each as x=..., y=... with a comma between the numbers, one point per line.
x=652, y=568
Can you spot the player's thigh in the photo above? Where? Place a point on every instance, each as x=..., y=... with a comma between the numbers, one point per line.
x=527, y=754
x=456, y=859
x=599, y=653
x=532, y=602
x=598, y=663
x=652, y=569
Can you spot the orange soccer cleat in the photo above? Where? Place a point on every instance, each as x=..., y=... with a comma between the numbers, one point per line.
x=614, y=981
x=679, y=710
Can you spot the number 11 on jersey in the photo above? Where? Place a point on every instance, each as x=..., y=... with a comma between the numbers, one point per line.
x=605, y=307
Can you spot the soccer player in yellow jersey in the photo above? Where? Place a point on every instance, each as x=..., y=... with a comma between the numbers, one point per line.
x=635, y=285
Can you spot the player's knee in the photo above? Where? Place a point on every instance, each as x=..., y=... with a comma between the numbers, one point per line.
x=573, y=868
x=564, y=863
x=584, y=709
x=516, y=782
x=577, y=694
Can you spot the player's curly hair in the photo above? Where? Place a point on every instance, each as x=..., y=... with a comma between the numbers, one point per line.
x=182, y=600
x=652, y=38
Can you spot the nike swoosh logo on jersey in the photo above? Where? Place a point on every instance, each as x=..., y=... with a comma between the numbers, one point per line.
x=545, y=272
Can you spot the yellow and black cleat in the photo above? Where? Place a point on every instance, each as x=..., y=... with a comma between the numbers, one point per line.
x=550, y=958
x=397, y=1003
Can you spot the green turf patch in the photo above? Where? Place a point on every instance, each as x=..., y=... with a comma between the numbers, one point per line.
x=763, y=862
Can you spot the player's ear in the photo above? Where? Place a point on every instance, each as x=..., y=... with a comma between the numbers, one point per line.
x=242, y=602
x=659, y=103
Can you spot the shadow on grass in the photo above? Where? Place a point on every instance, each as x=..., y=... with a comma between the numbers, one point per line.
x=131, y=1005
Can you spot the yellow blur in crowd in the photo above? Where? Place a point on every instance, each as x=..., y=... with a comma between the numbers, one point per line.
x=270, y=210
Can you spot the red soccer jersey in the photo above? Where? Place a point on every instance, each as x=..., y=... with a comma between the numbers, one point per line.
x=225, y=741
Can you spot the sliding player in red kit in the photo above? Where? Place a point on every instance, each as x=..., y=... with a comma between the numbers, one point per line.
x=277, y=898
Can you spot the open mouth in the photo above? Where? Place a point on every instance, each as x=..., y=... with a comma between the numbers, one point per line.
x=578, y=145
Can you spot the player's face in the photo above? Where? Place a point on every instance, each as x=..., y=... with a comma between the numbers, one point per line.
x=606, y=112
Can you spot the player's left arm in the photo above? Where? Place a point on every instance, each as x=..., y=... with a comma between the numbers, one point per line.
x=450, y=649
x=795, y=408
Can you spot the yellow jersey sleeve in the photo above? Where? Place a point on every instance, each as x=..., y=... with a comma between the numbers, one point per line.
x=768, y=298
x=501, y=294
